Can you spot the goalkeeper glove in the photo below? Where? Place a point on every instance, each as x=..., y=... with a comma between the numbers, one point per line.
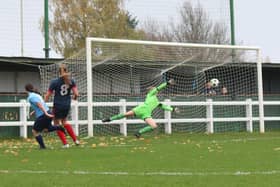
x=171, y=82
x=176, y=110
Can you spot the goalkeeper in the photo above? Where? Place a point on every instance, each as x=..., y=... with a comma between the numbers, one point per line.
x=144, y=111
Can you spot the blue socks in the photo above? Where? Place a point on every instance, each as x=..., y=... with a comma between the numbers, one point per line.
x=39, y=139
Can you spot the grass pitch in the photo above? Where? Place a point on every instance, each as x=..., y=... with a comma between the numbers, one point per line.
x=239, y=159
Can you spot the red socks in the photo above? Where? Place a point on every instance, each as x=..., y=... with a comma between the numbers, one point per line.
x=62, y=136
x=70, y=131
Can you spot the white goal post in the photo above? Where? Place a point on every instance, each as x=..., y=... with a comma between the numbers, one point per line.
x=189, y=55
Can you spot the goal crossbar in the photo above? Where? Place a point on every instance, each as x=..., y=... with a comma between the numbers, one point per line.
x=159, y=43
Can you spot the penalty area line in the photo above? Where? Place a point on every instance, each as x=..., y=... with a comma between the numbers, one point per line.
x=160, y=173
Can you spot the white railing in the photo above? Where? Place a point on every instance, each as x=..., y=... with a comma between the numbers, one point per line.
x=23, y=122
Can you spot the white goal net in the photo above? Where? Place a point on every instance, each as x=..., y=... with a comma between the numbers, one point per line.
x=122, y=70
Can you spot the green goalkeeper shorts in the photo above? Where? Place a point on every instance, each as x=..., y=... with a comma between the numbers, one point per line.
x=142, y=112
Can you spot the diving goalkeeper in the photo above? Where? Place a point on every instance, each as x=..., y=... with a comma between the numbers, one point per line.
x=144, y=111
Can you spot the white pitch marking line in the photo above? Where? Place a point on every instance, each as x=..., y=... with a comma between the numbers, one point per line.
x=241, y=139
x=160, y=173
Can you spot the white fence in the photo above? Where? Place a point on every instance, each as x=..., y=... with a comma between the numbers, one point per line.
x=23, y=122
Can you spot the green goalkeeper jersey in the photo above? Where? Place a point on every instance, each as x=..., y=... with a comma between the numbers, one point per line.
x=151, y=99
x=145, y=110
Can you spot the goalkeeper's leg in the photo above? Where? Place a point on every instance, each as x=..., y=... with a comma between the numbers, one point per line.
x=118, y=116
x=151, y=126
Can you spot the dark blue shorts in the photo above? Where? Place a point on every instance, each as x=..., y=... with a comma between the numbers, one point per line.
x=42, y=122
x=61, y=112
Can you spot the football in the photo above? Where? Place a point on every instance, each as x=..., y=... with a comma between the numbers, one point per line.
x=214, y=82
x=98, y=51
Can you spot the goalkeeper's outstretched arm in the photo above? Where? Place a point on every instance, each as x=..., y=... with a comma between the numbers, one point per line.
x=165, y=107
x=169, y=108
x=161, y=87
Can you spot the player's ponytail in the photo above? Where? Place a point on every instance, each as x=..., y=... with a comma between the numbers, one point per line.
x=64, y=74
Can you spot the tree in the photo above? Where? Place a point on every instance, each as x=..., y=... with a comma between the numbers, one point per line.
x=154, y=31
x=197, y=27
x=194, y=26
x=74, y=20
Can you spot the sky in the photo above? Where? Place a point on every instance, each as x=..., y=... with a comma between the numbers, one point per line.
x=256, y=23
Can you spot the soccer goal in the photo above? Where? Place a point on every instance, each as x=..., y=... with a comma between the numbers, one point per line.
x=113, y=76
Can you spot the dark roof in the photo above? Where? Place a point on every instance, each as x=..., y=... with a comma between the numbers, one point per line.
x=25, y=63
x=31, y=63
x=271, y=65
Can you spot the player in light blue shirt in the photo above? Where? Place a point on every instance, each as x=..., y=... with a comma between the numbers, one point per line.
x=43, y=115
x=38, y=105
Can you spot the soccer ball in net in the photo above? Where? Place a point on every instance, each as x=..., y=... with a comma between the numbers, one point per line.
x=214, y=82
